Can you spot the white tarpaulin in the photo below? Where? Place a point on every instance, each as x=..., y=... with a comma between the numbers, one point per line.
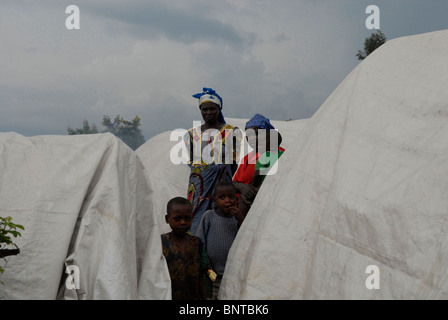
x=365, y=183
x=85, y=201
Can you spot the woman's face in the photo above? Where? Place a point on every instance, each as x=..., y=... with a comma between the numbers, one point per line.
x=210, y=112
x=257, y=138
x=252, y=137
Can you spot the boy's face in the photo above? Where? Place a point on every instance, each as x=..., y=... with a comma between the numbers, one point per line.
x=225, y=198
x=179, y=218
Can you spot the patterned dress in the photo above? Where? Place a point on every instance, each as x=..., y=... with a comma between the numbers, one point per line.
x=212, y=154
x=185, y=270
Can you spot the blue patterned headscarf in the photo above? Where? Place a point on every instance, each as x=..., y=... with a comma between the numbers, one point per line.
x=210, y=95
x=259, y=121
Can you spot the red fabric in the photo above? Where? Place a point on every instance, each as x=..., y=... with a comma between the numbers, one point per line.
x=246, y=169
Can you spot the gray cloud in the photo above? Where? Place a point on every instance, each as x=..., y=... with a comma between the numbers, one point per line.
x=150, y=19
x=147, y=58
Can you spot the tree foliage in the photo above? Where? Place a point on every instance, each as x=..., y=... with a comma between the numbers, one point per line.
x=86, y=129
x=371, y=44
x=8, y=229
x=128, y=131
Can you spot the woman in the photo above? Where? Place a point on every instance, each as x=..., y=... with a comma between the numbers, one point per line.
x=214, y=153
x=255, y=165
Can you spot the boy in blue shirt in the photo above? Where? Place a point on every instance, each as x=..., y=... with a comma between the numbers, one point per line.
x=218, y=228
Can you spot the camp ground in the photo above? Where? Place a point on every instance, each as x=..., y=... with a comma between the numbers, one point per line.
x=356, y=210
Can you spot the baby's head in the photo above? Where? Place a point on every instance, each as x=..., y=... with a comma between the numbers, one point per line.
x=225, y=196
x=179, y=215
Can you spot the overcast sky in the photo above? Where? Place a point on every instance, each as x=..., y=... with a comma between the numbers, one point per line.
x=148, y=57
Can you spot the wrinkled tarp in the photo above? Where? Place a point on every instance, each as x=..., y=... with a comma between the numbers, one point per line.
x=364, y=182
x=85, y=201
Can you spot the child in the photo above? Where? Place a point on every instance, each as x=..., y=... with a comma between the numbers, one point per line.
x=184, y=253
x=218, y=228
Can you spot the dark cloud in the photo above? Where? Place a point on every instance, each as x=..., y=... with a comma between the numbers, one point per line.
x=151, y=19
x=146, y=58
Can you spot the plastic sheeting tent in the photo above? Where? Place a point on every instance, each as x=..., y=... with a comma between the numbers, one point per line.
x=86, y=202
x=364, y=182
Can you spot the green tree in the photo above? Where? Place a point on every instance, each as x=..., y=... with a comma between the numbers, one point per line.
x=371, y=44
x=8, y=229
x=86, y=129
x=128, y=131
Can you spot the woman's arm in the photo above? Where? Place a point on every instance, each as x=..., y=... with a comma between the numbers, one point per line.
x=247, y=190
